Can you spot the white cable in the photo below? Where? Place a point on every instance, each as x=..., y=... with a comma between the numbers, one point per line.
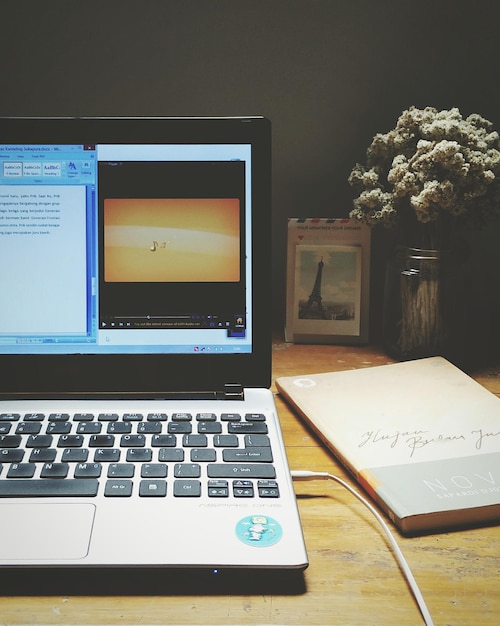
x=306, y=475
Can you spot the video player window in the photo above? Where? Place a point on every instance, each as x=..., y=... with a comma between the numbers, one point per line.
x=171, y=258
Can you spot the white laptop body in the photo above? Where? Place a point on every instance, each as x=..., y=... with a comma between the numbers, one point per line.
x=137, y=428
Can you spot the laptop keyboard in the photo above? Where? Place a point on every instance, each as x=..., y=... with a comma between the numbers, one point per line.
x=180, y=455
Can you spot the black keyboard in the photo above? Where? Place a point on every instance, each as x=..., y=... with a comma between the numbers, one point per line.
x=183, y=455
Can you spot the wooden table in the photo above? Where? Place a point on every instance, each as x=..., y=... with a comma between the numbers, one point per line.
x=353, y=577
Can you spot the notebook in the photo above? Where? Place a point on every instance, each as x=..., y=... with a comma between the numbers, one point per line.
x=422, y=437
x=137, y=428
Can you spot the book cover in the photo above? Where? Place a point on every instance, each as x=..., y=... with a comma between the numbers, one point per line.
x=422, y=438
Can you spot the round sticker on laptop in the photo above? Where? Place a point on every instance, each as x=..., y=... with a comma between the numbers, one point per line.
x=259, y=531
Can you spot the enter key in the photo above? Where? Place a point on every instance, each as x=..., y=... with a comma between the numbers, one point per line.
x=259, y=455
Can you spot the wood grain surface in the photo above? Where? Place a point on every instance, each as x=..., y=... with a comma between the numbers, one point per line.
x=353, y=577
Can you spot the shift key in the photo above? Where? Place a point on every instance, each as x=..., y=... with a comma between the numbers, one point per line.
x=240, y=470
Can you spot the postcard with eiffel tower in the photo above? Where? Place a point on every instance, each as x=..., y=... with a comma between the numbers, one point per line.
x=328, y=281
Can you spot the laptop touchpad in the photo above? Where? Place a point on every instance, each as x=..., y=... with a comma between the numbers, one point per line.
x=44, y=530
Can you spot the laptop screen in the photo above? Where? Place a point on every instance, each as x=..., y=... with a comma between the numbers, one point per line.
x=132, y=237
x=119, y=248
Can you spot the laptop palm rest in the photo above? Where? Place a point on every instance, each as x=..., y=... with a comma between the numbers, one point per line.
x=59, y=531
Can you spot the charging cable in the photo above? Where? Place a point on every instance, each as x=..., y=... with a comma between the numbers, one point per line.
x=299, y=475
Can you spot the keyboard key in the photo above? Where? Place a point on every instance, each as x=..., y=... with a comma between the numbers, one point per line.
x=262, y=455
x=153, y=488
x=201, y=455
x=154, y=470
x=206, y=417
x=118, y=488
x=75, y=455
x=187, y=488
x=164, y=441
x=70, y=441
x=43, y=455
x=226, y=441
x=195, y=441
x=171, y=455
x=243, y=489
x=133, y=417
x=241, y=470
x=88, y=470
x=83, y=417
x=258, y=441
x=187, y=470
x=268, y=489
x=89, y=428
x=11, y=455
x=132, y=441
x=10, y=441
x=218, y=489
x=102, y=441
x=108, y=417
x=247, y=428
x=34, y=417
x=59, y=428
x=230, y=417
x=58, y=417
x=28, y=428
x=179, y=427
x=121, y=470
x=157, y=417
x=182, y=417
x=9, y=417
x=48, y=487
x=39, y=441
x=139, y=455
x=149, y=428
x=255, y=417
x=54, y=470
x=119, y=428
x=21, y=470
x=213, y=428
x=103, y=455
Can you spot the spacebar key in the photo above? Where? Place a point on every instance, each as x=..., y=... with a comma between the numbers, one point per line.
x=40, y=488
x=240, y=470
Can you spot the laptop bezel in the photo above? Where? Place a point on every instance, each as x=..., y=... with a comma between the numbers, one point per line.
x=155, y=375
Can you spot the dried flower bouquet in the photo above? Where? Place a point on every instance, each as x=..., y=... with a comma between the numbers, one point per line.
x=434, y=167
x=433, y=172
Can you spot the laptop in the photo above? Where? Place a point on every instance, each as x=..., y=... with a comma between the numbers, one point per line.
x=137, y=428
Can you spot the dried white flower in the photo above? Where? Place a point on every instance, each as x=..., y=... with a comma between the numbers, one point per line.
x=433, y=164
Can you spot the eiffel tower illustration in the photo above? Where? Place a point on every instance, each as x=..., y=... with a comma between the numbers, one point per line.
x=313, y=309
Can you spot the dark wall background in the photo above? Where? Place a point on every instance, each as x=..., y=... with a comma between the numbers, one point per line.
x=328, y=73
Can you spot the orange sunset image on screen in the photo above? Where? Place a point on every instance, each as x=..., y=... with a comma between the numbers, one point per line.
x=171, y=240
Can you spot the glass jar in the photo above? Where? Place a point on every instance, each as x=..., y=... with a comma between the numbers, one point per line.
x=425, y=304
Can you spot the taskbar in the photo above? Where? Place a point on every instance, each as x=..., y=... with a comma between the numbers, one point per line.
x=69, y=349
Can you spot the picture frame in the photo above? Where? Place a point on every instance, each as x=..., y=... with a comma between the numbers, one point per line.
x=328, y=281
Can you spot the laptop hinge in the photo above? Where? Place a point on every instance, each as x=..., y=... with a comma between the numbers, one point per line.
x=233, y=391
x=230, y=391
